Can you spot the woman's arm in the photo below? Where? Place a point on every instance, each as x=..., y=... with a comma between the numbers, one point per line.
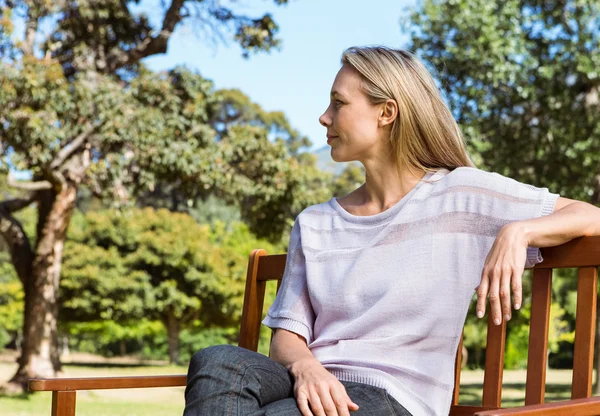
x=313, y=384
x=571, y=219
x=287, y=348
x=505, y=262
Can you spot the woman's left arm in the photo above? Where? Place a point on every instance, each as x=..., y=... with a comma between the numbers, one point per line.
x=505, y=262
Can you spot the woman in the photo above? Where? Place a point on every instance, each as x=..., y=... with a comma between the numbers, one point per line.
x=377, y=284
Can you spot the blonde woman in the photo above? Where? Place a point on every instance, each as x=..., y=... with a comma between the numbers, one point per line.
x=377, y=284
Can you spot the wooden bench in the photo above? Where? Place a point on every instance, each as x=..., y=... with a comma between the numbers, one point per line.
x=583, y=253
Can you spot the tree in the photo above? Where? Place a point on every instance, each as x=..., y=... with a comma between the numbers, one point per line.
x=145, y=263
x=289, y=179
x=77, y=107
x=522, y=78
x=11, y=303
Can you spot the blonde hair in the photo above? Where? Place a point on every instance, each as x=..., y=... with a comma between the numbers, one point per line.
x=424, y=135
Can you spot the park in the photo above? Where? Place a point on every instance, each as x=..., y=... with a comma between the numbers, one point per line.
x=148, y=148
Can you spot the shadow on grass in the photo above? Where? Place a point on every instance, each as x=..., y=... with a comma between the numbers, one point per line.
x=112, y=365
x=470, y=394
x=20, y=396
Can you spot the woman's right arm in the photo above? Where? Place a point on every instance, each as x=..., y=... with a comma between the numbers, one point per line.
x=313, y=384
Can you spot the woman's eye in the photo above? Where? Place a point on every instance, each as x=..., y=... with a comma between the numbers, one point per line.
x=338, y=102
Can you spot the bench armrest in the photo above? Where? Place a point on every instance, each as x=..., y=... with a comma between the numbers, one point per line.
x=98, y=383
x=577, y=407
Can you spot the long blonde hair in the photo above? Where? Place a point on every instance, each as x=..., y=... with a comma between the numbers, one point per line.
x=424, y=135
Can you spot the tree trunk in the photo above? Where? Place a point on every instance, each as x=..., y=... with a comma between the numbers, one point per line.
x=173, y=329
x=40, y=353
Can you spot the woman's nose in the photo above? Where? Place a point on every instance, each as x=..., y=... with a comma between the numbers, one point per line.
x=323, y=120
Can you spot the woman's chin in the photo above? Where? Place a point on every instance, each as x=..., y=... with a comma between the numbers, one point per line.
x=334, y=157
x=339, y=158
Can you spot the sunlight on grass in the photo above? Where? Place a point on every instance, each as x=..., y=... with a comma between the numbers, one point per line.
x=131, y=402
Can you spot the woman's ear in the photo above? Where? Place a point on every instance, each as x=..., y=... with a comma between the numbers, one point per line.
x=388, y=113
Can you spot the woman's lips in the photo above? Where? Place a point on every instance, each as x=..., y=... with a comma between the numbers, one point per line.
x=330, y=138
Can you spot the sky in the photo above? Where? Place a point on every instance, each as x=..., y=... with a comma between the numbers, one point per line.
x=297, y=79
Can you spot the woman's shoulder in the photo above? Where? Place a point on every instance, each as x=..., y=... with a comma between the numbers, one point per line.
x=478, y=181
x=470, y=176
x=315, y=211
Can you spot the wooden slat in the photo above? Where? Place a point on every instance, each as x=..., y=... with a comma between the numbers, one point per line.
x=253, y=301
x=494, y=363
x=457, y=410
x=585, y=325
x=537, y=357
x=457, y=368
x=271, y=267
x=579, y=407
x=63, y=403
x=99, y=383
x=579, y=252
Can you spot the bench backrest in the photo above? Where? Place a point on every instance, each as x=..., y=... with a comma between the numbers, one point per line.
x=581, y=253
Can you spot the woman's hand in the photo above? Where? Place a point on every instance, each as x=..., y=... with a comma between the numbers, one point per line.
x=502, y=271
x=318, y=392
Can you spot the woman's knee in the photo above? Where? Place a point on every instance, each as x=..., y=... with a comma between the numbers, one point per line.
x=217, y=355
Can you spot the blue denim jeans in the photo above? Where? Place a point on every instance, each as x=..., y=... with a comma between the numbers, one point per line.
x=228, y=380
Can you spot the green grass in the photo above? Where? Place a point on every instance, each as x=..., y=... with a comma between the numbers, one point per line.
x=130, y=402
x=558, y=387
x=169, y=401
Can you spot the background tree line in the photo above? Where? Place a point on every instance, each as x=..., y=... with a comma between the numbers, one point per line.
x=120, y=155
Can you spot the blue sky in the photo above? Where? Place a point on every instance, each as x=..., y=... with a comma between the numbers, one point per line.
x=296, y=79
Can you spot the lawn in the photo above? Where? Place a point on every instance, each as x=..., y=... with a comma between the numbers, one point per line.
x=169, y=401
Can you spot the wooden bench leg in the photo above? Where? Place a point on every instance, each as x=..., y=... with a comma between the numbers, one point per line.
x=63, y=403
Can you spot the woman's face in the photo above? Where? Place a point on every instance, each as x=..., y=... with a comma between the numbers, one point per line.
x=352, y=122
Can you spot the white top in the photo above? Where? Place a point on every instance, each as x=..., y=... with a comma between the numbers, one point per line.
x=382, y=299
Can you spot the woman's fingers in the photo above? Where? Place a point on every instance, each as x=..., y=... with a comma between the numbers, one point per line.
x=351, y=405
x=517, y=289
x=502, y=275
x=329, y=406
x=341, y=400
x=494, y=296
x=505, y=280
x=324, y=399
x=482, y=292
x=315, y=402
x=302, y=401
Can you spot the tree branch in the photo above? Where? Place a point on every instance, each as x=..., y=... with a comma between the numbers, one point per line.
x=17, y=204
x=28, y=186
x=20, y=250
x=151, y=45
x=30, y=31
x=72, y=147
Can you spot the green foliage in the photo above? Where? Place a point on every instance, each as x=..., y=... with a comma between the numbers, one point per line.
x=11, y=302
x=144, y=262
x=126, y=267
x=108, y=338
x=195, y=339
x=236, y=108
x=351, y=178
x=522, y=80
x=515, y=355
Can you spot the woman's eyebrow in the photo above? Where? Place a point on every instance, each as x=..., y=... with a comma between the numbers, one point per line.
x=335, y=92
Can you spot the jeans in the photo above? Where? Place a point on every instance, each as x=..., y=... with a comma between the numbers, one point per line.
x=228, y=380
